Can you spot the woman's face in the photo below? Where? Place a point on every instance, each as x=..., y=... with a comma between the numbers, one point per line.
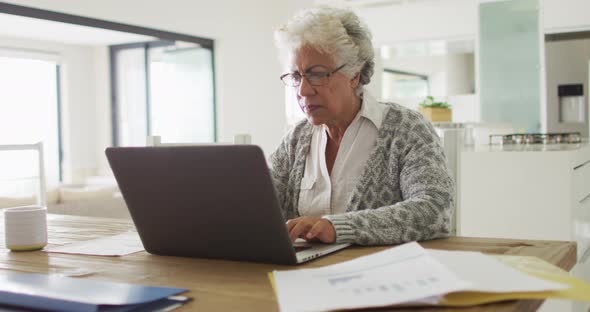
x=329, y=103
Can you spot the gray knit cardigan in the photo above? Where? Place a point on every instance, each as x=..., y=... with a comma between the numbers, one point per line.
x=404, y=193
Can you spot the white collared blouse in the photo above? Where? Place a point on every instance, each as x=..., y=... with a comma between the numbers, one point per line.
x=323, y=194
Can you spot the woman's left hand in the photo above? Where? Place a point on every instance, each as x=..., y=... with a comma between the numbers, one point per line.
x=312, y=229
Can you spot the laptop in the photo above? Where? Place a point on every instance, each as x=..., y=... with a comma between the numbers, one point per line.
x=207, y=201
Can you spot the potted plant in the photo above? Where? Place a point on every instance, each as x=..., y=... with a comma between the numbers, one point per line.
x=435, y=111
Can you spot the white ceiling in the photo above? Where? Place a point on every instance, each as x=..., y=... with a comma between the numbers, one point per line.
x=38, y=29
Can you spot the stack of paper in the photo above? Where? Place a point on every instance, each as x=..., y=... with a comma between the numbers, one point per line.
x=406, y=275
x=116, y=245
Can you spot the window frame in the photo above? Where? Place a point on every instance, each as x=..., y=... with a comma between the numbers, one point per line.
x=29, y=54
x=207, y=43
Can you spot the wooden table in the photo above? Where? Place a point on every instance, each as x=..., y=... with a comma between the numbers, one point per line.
x=234, y=286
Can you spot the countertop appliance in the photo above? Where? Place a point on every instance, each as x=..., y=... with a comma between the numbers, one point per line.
x=536, y=138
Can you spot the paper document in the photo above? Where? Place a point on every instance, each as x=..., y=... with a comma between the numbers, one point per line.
x=398, y=275
x=488, y=274
x=577, y=289
x=118, y=245
x=59, y=270
x=402, y=275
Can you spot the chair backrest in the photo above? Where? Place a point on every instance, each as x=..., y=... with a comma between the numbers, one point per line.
x=42, y=197
x=452, y=142
x=156, y=140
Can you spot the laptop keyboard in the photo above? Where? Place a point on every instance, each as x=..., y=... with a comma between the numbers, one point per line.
x=301, y=248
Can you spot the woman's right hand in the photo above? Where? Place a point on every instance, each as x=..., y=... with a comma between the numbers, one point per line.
x=312, y=229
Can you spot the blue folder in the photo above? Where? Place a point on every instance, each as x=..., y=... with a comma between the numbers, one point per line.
x=56, y=293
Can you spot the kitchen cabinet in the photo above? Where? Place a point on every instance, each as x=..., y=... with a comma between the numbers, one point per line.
x=528, y=192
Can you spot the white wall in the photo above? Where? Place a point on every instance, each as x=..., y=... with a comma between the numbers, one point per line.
x=566, y=15
x=460, y=71
x=250, y=97
x=78, y=103
x=421, y=21
x=375, y=85
x=458, y=19
x=102, y=110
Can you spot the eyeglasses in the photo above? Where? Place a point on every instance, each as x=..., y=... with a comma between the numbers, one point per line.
x=314, y=77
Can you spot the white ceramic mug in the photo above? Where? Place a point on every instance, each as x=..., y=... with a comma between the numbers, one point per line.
x=25, y=228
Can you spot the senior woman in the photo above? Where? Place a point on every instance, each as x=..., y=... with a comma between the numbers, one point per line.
x=355, y=170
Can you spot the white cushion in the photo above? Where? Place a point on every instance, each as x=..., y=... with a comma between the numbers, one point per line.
x=80, y=193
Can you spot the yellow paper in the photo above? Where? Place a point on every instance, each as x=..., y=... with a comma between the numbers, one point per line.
x=578, y=290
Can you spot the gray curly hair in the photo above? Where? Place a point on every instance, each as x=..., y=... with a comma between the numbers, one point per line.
x=333, y=31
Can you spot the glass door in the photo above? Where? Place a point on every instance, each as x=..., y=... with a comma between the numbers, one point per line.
x=181, y=94
x=129, y=81
x=29, y=113
x=162, y=88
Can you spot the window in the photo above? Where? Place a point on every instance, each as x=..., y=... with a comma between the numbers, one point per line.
x=163, y=88
x=28, y=117
x=292, y=109
x=398, y=84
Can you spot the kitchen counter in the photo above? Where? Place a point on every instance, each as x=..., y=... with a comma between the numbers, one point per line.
x=528, y=147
